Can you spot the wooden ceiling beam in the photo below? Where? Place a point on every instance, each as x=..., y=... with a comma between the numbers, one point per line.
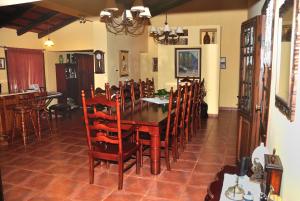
x=55, y=28
x=20, y=10
x=36, y=23
x=163, y=6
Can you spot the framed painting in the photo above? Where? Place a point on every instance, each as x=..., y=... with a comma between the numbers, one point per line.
x=123, y=63
x=187, y=62
x=2, y=63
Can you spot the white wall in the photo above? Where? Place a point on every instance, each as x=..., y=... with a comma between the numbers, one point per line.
x=283, y=134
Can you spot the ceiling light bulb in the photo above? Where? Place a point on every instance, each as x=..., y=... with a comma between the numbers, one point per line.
x=105, y=14
x=128, y=15
x=167, y=28
x=49, y=43
x=137, y=9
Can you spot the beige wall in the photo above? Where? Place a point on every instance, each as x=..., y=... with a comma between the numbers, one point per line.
x=230, y=23
x=283, y=134
x=134, y=46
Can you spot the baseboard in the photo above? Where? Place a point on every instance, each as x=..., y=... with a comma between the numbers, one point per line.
x=228, y=108
x=213, y=115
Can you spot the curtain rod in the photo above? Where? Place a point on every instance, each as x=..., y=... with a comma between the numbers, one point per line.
x=5, y=47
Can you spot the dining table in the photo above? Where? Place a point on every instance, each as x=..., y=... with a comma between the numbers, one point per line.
x=148, y=117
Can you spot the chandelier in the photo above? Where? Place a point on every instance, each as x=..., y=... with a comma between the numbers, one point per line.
x=131, y=21
x=166, y=35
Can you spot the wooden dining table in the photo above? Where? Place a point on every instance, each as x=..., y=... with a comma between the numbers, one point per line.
x=150, y=118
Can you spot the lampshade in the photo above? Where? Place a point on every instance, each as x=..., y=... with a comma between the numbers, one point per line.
x=128, y=15
x=49, y=43
x=153, y=30
x=172, y=33
x=167, y=28
x=146, y=13
x=104, y=13
x=179, y=30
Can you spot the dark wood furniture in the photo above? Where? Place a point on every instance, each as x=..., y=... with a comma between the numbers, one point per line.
x=150, y=118
x=71, y=78
x=39, y=107
x=60, y=109
x=7, y=104
x=22, y=115
x=249, y=99
x=165, y=137
x=107, y=138
x=1, y=188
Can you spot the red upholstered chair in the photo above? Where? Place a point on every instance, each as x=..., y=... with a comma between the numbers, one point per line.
x=165, y=140
x=107, y=138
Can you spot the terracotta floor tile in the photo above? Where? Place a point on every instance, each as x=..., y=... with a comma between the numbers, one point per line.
x=183, y=165
x=193, y=194
x=137, y=185
x=61, y=187
x=166, y=190
x=91, y=192
x=211, y=158
x=207, y=168
x=201, y=180
x=123, y=196
x=175, y=176
x=38, y=181
x=18, y=176
x=18, y=194
x=190, y=156
x=56, y=168
x=106, y=179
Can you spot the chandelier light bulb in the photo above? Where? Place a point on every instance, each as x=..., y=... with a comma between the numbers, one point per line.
x=146, y=13
x=49, y=43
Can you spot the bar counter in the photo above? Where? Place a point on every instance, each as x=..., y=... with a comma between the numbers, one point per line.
x=7, y=102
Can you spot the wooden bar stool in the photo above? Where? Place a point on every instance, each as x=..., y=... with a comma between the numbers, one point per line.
x=23, y=111
x=40, y=109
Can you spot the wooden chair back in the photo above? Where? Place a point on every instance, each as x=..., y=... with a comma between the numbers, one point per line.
x=170, y=108
x=97, y=124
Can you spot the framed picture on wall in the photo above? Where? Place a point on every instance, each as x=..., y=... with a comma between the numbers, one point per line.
x=2, y=63
x=155, y=64
x=187, y=62
x=123, y=63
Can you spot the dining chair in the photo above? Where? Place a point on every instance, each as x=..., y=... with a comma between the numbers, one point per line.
x=107, y=138
x=150, y=87
x=165, y=137
x=195, y=105
x=187, y=126
x=175, y=124
x=184, y=97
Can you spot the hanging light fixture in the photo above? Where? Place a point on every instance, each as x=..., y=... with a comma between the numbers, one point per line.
x=48, y=42
x=166, y=35
x=131, y=21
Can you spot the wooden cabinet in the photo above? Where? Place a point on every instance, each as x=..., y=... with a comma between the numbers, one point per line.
x=72, y=78
x=249, y=99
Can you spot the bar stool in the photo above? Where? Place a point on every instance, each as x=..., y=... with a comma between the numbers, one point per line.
x=23, y=111
x=40, y=109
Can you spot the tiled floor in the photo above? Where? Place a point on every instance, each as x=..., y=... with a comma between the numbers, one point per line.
x=56, y=169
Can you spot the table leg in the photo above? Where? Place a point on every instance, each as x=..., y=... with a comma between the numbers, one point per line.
x=155, y=151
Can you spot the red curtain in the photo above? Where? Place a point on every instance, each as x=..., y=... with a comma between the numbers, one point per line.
x=24, y=67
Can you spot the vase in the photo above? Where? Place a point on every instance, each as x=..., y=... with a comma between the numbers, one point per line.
x=206, y=38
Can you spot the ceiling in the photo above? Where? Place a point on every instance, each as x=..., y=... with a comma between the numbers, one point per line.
x=46, y=16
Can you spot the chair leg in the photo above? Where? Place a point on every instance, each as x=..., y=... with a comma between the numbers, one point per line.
x=23, y=128
x=174, y=148
x=91, y=169
x=14, y=128
x=138, y=160
x=167, y=156
x=38, y=114
x=121, y=167
x=37, y=134
x=141, y=154
x=48, y=120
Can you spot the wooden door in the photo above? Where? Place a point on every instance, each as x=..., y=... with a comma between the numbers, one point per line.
x=249, y=99
x=85, y=74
